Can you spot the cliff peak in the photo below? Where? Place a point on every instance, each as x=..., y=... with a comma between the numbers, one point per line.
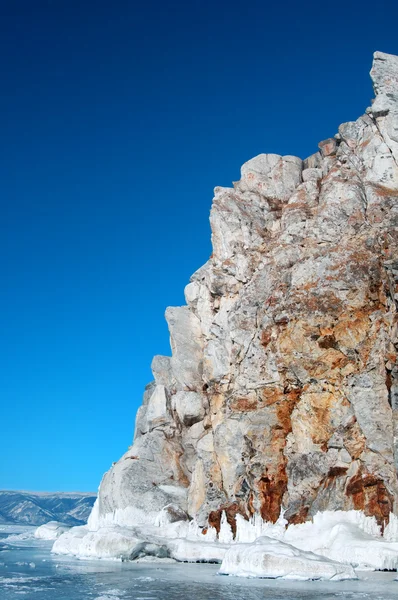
x=384, y=74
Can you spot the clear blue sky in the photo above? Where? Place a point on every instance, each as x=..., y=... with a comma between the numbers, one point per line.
x=117, y=120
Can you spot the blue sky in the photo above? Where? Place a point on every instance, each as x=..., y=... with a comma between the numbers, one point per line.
x=117, y=121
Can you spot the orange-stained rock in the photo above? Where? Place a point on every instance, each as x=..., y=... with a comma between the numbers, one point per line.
x=289, y=339
x=328, y=147
x=354, y=441
x=370, y=495
x=231, y=510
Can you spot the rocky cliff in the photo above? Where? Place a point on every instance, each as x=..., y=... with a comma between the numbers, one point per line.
x=282, y=389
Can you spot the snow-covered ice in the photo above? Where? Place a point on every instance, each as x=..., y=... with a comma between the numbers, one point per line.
x=51, y=530
x=348, y=538
x=17, y=533
x=121, y=517
x=271, y=558
x=115, y=542
x=184, y=550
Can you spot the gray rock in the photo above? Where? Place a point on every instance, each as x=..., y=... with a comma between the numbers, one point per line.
x=162, y=371
x=384, y=74
x=271, y=175
x=187, y=347
x=368, y=395
x=157, y=412
x=313, y=162
x=328, y=147
x=281, y=391
x=312, y=174
x=189, y=407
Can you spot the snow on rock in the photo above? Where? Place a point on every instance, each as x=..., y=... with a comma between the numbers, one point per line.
x=255, y=527
x=350, y=545
x=70, y=542
x=132, y=515
x=115, y=542
x=170, y=514
x=51, y=530
x=272, y=558
x=226, y=535
x=121, y=517
x=391, y=531
x=184, y=550
x=347, y=536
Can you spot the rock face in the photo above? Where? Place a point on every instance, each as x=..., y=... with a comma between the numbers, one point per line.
x=282, y=388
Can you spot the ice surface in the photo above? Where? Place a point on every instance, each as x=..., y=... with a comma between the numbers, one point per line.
x=271, y=558
x=18, y=533
x=67, y=578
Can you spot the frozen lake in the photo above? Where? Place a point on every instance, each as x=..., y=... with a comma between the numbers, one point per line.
x=29, y=571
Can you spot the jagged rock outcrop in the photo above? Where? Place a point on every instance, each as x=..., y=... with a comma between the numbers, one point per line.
x=282, y=388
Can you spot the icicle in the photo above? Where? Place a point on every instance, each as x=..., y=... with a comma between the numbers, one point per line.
x=391, y=530
x=225, y=536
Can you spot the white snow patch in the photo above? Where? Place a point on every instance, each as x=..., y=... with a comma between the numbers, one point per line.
x=155, y=559
x=391, y=531
x=93, y=519
x=185, y=550
x=70, y=541
x=251, y=530
x=225, y=536
x=271, y=558
x=348, y=537
x=113, y=594
x=4, y=580
x=113, y=542
x=51, y=530
x=19, y=537
x=121, y=517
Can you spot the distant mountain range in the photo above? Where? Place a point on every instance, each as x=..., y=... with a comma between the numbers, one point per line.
x=36, y=508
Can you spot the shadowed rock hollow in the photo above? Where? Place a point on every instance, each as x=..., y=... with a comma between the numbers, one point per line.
x=282, y=388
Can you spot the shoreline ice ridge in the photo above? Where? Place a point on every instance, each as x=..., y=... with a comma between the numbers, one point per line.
x=345, y=537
